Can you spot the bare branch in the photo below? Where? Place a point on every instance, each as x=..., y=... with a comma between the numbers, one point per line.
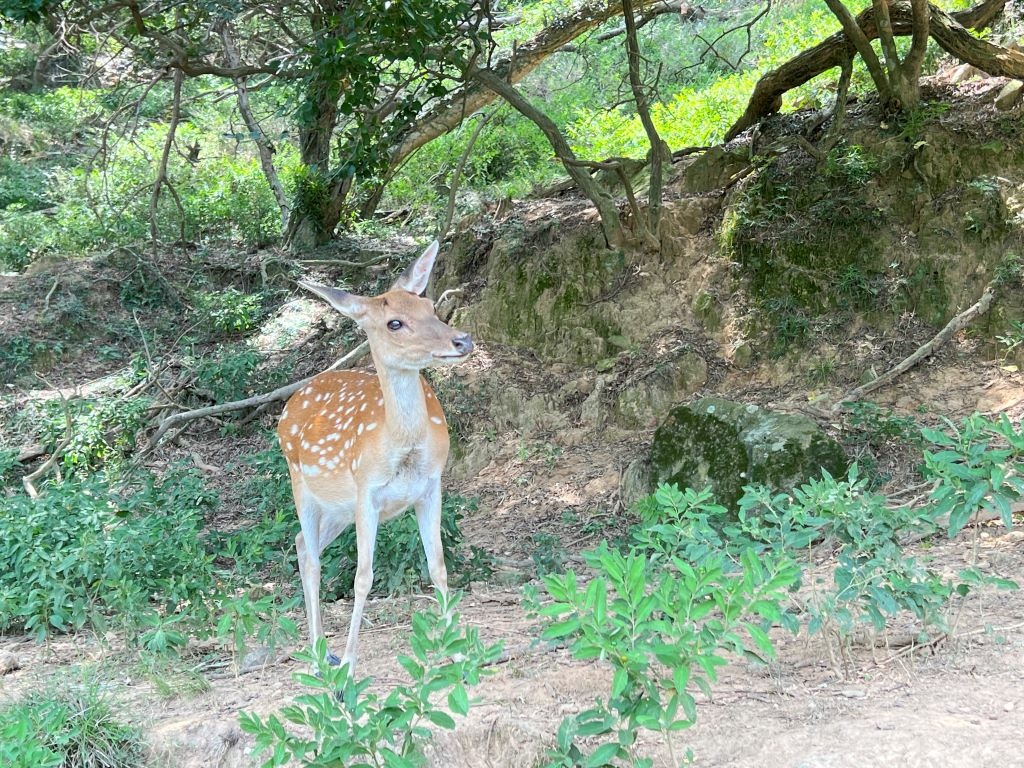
x=980, y=307
x=161, y=174
x=28, y=481
x=453, y=187
x=747, y=26
x=648, y=231
x=860, y=41
x=947, y=30
x=263, y=145
x=511, y=69
x=605, y=205
x=178, y=420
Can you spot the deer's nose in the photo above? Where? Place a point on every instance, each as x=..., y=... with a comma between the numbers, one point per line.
x=463, y=344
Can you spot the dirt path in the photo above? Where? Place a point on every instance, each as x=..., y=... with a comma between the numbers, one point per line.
x=960, y=705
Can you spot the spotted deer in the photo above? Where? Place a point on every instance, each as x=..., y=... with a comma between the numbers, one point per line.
x=363, y=447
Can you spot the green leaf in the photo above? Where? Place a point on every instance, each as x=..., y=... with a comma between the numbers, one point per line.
x=604, y=754
x=458, y=700
x=440, y=718
x=760, y=637
x=937, y=437
x=977, y=492
x=958, y=518
x=561, y=629
x=619, y=682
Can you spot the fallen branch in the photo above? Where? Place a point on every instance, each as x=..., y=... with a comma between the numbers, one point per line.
x=281, y=393
x=28, y=480
x=925, y=350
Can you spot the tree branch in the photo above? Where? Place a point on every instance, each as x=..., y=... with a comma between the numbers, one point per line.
x=606, y=209
x=947, y=30
x=161, y=174
x=281, y=393
x=263, y=146
x=925, y=350
x=853, y=31
x=648, y=231
x=511, y=68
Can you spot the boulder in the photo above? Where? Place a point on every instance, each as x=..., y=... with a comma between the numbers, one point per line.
x=728, y=445
x=643, y=402
x=1009, y=95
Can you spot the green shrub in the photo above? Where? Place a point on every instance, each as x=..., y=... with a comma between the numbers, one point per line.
x=875, y=578
x=60, y=115
x=21, y=185
x=71, y=727
x=663, y=621
x=19, y=354
x=229, y=374
x=230, y=310
x=103, y=429
x=978, y=466
x=344, y=723
x=81, y=555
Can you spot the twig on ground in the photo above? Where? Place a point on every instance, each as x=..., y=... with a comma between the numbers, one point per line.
x=28, y=480
x=925, y=350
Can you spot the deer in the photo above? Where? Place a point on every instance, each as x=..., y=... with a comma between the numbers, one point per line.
x=363, y=447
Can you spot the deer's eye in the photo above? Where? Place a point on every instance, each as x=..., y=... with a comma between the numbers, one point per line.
x=394, y=325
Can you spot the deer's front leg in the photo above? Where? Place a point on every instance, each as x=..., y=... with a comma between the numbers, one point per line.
x=428, y=516
x=366, y=521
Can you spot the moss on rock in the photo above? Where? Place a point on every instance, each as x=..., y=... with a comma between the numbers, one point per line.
x=728, y=445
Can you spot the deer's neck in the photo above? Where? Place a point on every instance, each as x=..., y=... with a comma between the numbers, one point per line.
x=405, y=406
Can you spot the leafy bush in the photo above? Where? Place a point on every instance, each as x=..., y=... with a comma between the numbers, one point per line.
x=663, y=621
x=21, y=185
x=229, y=374
x=351, y=725
x=71, y=727
x=58, y=115
x=230, y=310
x=979, y=467
x=103, y=429
x=875, y=578
x=19, y=353
x=79, y=555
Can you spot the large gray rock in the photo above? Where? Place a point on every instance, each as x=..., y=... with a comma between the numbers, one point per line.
x=1010, y=95
x=728, y=445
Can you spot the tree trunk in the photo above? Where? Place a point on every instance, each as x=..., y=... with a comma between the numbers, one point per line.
x=649, y=231
x=315, y=211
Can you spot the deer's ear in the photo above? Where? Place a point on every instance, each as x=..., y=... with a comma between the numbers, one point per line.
x=416, y=276
x=347, y=303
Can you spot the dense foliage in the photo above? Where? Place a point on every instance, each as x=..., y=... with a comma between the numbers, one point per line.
x=116, y=131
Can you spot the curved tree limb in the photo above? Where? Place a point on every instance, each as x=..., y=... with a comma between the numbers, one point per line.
x=162, y=179
x=511, y=68
x=948, y=30
x=606, y=208
x=263, y=145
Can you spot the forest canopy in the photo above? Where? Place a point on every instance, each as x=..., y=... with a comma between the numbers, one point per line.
x=262, y=122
